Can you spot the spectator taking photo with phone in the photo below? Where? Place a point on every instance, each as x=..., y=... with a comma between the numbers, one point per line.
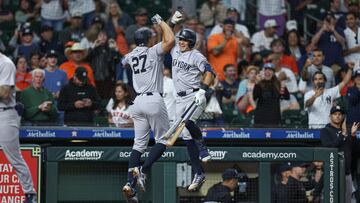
x=320, y=99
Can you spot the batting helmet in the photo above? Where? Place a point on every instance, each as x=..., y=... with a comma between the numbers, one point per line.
x=142, y=36
x=188, y=35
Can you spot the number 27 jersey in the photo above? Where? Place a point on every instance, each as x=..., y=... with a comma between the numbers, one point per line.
x=147, y=68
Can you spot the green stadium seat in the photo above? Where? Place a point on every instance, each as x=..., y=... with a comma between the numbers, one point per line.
x=293, y=118
x=101, y=121
x=300, y=98
x=228, y=113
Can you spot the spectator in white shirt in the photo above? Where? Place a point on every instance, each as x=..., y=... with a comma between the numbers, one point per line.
x=262, y=39
x=319, y=100
x=352, y=37
x=118, y=106
x=313, y=64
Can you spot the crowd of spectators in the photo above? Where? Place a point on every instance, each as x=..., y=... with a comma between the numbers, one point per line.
x=266, y=70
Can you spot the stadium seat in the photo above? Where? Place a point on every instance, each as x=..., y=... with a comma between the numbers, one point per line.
x=101, y=121
x=293, y=118
x=300, y=98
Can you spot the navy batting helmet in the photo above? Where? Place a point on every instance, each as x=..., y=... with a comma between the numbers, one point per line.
x=142, y=36
x=188, y=35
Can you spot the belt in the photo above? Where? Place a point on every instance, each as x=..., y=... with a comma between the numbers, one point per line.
x=186, y=92
x=6, y=108
x=147, y=94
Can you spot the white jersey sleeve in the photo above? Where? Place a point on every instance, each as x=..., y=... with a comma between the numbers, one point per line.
x=158, y=49
x=7, y=72
x=334, y=92
x=125, y=60
x=200, y=61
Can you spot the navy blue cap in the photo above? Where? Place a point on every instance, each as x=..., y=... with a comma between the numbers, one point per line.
x=27, y=31
x=284, y=167
x=81, y=74
x=229, y=21
x=231, y=9
x=337, y=108
x=45, y=28
x=51, y=52
x=230, y=173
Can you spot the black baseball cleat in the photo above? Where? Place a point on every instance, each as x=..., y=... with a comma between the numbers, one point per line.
x=141, y=177
x=30, y=198
x=130, y=193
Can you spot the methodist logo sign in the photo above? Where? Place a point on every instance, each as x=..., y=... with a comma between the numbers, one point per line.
x=10, y=188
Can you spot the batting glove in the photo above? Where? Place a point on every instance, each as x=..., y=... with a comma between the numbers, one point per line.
x=177, y=17
x=156, y=19
x=200, y=97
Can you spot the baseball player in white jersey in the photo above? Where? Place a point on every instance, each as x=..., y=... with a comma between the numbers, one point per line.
x=192, y=75
x=148, y=111
x=9, y=125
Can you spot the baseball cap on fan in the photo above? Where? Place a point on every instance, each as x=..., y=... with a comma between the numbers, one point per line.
x=81, y=74
x=337, y=108
x=141, y=11
x=356, y=73
x=291, y=25
x=270, y=23
x=51, y=53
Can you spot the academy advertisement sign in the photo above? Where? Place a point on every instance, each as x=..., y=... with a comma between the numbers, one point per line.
x=10, y=188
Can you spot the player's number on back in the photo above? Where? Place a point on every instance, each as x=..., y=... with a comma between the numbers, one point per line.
x=137, y=61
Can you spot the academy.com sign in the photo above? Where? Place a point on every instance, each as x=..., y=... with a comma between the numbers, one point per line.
x=269, y=155
x=83, y=154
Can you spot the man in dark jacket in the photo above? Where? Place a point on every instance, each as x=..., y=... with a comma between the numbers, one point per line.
x=78, y=99
x=336, y=135
x=220, y=192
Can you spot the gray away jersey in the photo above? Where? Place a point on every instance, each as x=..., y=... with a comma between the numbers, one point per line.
x=7, y=77
x=187, y=68
x=147, y=68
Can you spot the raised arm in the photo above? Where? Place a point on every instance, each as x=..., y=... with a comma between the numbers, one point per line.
x=168, y=39
x=347, y=77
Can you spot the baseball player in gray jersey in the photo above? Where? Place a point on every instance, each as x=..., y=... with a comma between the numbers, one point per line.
x=148, y=111
x=192, y=76
x=9, y=125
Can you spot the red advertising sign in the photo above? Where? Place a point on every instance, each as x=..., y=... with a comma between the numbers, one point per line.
x=10, y=188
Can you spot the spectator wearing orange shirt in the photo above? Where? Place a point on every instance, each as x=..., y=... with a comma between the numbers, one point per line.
x=278, y=47
x=224, y=48
x=76, y=56
x=23, y=78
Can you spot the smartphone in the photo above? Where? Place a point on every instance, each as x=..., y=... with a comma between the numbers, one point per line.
x=311, y=56
x=321, y=85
